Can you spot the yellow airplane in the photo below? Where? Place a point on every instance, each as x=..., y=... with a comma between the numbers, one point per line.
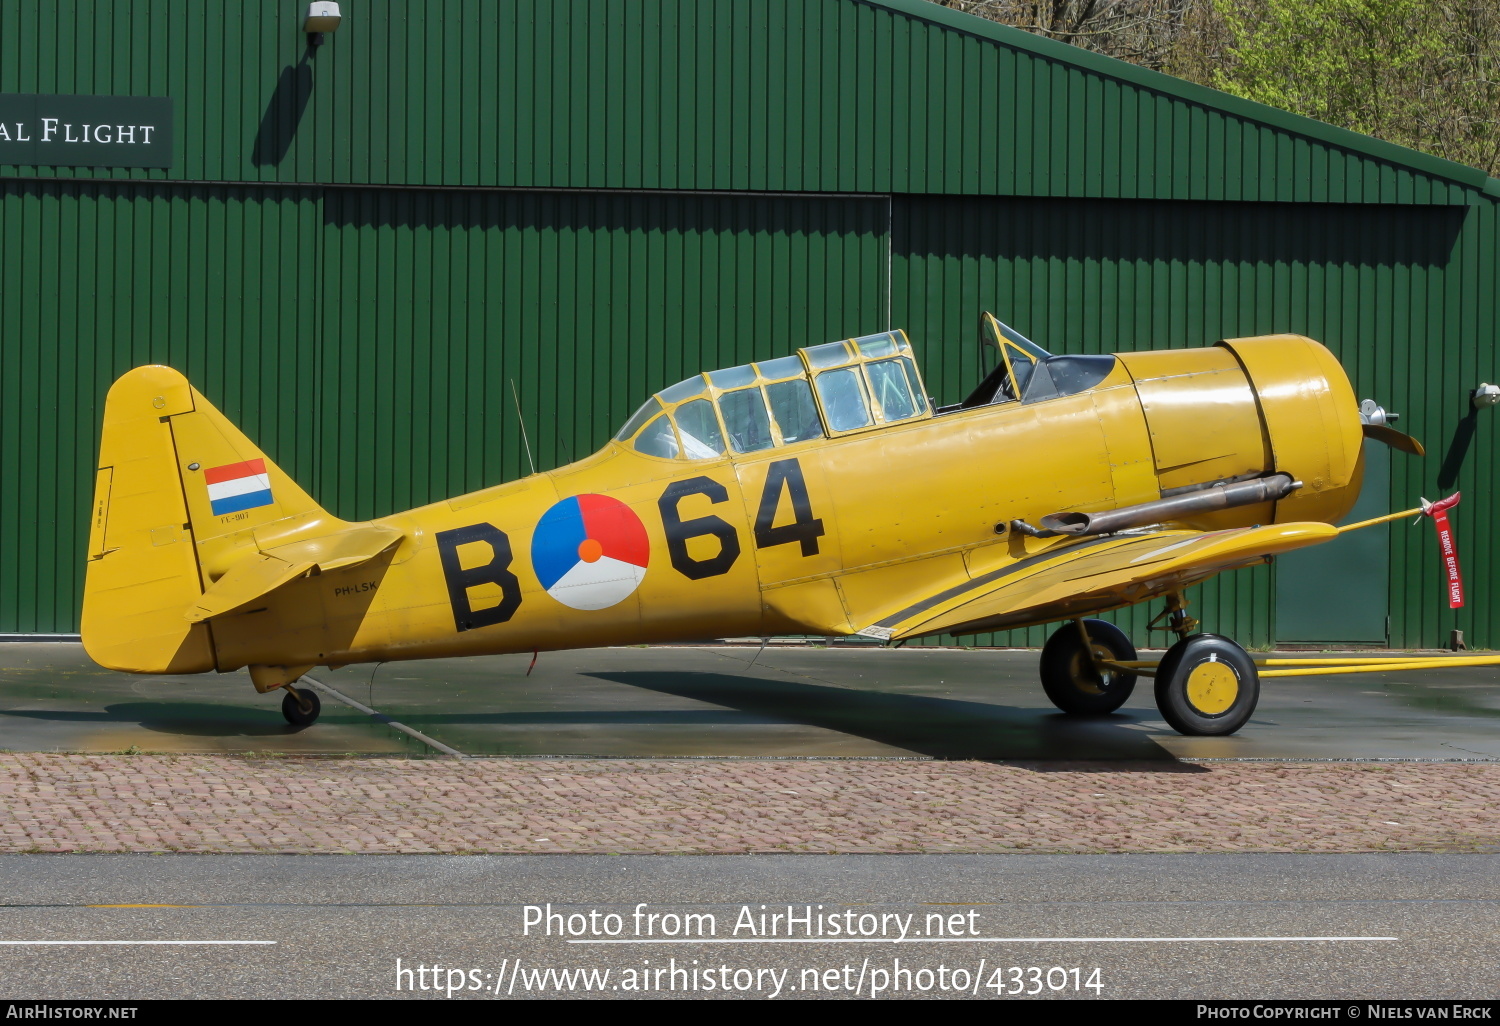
x=819, y=494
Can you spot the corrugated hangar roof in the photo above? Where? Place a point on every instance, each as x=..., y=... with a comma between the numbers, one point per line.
x=853, y=96
x=1223, y=147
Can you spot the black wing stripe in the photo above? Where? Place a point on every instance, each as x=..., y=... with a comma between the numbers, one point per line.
x=1005, y=571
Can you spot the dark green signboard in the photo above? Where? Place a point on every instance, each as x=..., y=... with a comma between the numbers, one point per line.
x=86, y=131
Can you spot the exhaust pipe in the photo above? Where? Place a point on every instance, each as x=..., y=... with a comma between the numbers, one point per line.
x=1203, y=500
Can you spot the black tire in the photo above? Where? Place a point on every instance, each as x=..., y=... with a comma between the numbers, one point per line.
x=1068, y=674
x=303, y=713
x=1207, y=686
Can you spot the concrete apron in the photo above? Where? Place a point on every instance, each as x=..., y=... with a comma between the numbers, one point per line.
x=729, y=702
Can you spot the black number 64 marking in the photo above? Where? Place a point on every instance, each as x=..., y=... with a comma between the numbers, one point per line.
x=781, y=476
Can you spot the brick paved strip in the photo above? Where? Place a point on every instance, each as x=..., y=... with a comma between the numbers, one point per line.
x=207, y=803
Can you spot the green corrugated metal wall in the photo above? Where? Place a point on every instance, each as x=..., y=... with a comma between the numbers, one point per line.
x=950, y=165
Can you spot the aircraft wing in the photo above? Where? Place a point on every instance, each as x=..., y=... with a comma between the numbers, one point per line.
x=1094, y=575
x=266, y=571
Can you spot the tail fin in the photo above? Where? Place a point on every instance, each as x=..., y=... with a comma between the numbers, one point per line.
x=179, y=497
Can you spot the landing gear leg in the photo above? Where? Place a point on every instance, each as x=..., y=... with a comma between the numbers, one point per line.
x=300, y=708
x=1206, y=685
x=1178, y=622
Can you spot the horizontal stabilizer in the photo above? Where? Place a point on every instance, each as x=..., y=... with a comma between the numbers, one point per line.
x=264, y=573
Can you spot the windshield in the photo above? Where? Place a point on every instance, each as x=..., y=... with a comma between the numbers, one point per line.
x=648, y=410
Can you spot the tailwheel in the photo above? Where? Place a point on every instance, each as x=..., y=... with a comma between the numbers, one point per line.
x=1069, y=675
x=1207, y=686
x=300, y=708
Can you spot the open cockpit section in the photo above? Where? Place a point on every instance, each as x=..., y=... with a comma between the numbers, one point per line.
x=820, y=392
x=1028, y=373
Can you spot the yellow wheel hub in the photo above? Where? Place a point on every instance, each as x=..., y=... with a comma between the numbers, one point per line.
x=1083, y=670
x=1212, y=688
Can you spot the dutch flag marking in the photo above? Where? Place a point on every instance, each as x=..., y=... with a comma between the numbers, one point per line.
x=238, y=486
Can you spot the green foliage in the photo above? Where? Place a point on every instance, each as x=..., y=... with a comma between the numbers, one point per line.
x=1421, y=73
x=1355, y=63
x=1414, y=72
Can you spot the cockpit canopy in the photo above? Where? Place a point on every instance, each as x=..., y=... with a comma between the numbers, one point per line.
x=837, y=389
x=823, y=391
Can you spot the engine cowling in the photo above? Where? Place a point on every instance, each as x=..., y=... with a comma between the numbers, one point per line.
x=1275, y=404
x=1311, y=420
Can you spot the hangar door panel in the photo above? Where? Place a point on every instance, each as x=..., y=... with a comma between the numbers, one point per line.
x=97, y=277
x=1338, y=591
x=454, y=308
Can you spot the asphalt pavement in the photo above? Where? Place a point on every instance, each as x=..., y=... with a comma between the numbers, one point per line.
x=1340, y=927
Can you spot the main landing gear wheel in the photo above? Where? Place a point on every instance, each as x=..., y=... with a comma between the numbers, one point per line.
x=1068, y=673
x=1207, y=686
x=301, y=707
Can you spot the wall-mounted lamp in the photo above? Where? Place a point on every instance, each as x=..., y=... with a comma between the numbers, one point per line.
x=1486, y=395
x=322, y=17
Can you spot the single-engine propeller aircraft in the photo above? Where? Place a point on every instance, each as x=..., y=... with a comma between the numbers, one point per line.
x=819, y=493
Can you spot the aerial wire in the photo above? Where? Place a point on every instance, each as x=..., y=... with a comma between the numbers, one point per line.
x=522, y=421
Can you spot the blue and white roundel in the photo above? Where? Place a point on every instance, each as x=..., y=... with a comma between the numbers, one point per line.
x=590, y=551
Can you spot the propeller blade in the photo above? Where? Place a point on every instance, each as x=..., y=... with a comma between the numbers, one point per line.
x=1395, y=439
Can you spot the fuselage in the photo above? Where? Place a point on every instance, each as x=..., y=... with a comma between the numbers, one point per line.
x=821, y=535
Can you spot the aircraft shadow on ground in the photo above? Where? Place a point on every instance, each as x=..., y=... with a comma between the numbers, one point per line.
x=590, y=717
x=189, y=719
x=943, y=728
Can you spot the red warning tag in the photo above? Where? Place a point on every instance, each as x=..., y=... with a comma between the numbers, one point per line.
x=1438, y=511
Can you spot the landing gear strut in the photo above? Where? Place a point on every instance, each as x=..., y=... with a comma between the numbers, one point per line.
x=300, y=708
x=1178, y=622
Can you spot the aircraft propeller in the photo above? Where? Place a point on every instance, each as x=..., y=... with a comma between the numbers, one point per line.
x=1375, y=423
